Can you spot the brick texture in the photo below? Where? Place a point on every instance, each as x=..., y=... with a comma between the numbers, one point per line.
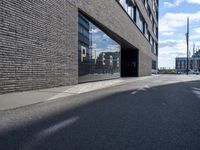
x=38, y=44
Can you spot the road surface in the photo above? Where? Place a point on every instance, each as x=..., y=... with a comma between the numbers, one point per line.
x=160, y=113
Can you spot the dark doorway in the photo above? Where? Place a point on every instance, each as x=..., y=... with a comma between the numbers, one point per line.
x=129, y=62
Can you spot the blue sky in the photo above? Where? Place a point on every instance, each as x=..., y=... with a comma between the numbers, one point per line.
x=172, y=29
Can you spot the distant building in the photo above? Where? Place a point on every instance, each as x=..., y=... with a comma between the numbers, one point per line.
x=193, y=63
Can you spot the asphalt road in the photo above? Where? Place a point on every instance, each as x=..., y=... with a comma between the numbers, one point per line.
x=159, y=114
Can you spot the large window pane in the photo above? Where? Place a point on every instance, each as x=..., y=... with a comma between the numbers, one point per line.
x=129, y=7
x=146, y=31
x=99, y=55
x=124, y=4
x=139, y=20
x=154, y=64
x=130, y=11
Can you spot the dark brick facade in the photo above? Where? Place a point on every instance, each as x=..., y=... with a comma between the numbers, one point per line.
x=39, y=41
x=38, y=44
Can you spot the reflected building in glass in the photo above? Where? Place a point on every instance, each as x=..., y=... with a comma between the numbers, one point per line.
x=99, y=55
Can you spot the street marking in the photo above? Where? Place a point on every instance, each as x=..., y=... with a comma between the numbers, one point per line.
x=36, y=139
x=144, y=88
x=196, y=91
x=49, y=131
x=134, y=92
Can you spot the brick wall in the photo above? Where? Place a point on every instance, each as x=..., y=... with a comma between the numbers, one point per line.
x=38, y=44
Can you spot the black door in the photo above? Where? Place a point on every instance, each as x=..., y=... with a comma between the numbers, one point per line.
x=129, y=63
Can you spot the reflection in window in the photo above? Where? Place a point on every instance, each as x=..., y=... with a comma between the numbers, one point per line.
x=154, y=64
x=154, y=47
x=154, y=28
x=148, y=36
x=124, y=4
x=146, y=4
x=151, y=40
x=129, y=7
x=139, y=20
x=154, y=6
x=99, y=55
x=146, y=31
x=130, y=11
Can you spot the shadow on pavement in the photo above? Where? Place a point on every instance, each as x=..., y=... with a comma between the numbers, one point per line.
x=163, y=117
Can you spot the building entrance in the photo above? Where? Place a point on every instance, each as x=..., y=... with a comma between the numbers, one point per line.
x=129, y=62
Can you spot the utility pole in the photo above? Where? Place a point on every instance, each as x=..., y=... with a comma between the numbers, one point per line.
x=187, y=37
x=193, y=60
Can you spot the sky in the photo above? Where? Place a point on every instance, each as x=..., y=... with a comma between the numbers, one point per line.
x=173, y=27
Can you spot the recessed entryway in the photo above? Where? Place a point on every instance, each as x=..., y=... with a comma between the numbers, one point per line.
x=129, y=62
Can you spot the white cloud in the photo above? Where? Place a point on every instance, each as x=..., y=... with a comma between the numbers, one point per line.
x=178, y=47
x=168, y=4
x=168, y=53
x=178, y=2
x=171, y=21
x=94, y=45
x=197, y=30
x=166, y=41
x=194, y=1
x=195, y=37
x=198, y=44
x=96, y=30
x=167, y=33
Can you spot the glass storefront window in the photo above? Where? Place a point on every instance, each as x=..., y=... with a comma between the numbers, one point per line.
x=99, y=55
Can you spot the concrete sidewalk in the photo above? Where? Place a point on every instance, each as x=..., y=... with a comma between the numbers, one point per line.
x=19, y=99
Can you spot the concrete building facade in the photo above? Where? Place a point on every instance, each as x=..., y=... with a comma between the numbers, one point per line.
x=48, y=43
